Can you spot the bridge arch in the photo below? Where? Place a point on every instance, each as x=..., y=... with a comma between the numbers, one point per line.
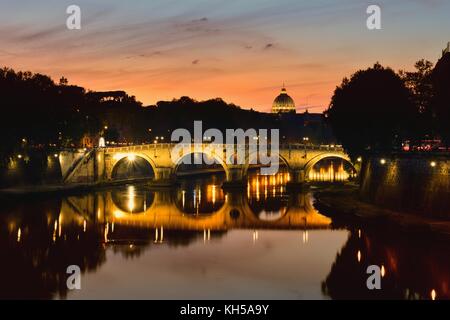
x=130, y=161
x=192, y=153
x=246, y=167
x=313, y=161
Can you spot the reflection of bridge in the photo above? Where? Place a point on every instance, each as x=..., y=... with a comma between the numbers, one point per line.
x=99, y=164
x=163, y=212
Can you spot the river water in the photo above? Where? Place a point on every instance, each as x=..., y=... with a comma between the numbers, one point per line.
x=198, y=242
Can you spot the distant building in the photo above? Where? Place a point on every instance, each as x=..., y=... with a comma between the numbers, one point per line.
x=283, y=103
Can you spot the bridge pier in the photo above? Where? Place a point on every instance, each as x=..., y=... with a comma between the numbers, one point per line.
x=235, y=178
x=163, y=178
x=298, y=179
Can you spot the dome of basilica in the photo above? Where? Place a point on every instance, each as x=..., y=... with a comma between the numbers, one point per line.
x=283, y=103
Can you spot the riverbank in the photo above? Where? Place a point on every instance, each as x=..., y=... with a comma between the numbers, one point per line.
x=64, y=189
x=343, y=204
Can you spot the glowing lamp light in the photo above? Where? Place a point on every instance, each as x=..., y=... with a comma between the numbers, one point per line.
x=383, y=161
x=101, y=142
x=433, y=294
x=359, y=159
x=118, y=214
x=433, y=164
x=55, y=155
x=131, y=157
x=19, y=156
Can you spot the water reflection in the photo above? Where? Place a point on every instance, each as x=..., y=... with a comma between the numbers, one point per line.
x=267, y=195
x=201, y=226
x=200, y=196
x=412, y=267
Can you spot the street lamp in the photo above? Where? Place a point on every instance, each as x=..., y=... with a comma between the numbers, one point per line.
x=305, y=141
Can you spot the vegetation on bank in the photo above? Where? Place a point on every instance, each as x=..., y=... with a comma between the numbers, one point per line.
x=379, y=110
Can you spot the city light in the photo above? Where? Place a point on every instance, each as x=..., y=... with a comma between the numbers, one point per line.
x=55, y=155
x=433, y=294
x=433, y=164
x=383, y=161
x=19, y=156
x=359, y=159
x=131, y=157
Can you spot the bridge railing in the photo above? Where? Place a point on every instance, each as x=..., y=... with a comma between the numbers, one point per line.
x=283, y=146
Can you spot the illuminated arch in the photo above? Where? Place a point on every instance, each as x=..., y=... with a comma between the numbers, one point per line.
x=312, y=162
x=247, y=163
x=218, y=159
x=120, y=157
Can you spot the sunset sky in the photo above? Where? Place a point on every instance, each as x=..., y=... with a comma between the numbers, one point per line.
x=240, y=50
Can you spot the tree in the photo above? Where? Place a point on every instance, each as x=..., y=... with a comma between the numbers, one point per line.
x=420, y=84
x=371, y=111
x=441, y=103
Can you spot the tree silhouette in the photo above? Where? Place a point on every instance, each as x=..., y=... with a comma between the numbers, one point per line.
x=422, y=94
x=371, y=111
x=441, y=105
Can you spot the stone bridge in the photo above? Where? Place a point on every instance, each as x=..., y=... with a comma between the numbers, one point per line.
x=98, y=165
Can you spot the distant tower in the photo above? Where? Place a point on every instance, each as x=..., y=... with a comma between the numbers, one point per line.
x=283, y=103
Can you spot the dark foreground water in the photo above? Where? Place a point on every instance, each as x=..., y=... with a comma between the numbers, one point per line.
x=198, y=242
